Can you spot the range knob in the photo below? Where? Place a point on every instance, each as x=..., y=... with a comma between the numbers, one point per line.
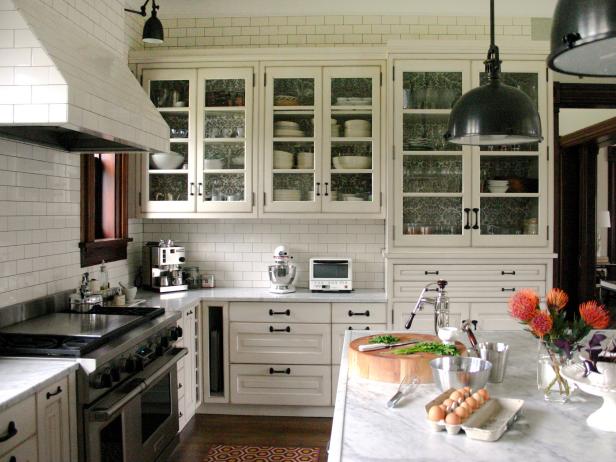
x=138, y=364
x=164, y=342
x=114, y=372
x=102, y=380
x=175, y=333
x=129, y=365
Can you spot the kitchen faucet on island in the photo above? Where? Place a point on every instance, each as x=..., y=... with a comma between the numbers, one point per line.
x=440, y=304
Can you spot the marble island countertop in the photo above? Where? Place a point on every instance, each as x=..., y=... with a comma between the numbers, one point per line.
x=22, y=377
x=365, y=430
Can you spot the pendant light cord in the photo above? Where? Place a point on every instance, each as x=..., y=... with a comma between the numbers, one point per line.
x=493, y=61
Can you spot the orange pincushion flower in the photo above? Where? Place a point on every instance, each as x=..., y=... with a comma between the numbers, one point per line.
x=541, y=324
x=557, y=299
x=523, y=304
x=595, y=315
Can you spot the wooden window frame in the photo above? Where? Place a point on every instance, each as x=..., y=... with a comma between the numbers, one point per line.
x=94, y=251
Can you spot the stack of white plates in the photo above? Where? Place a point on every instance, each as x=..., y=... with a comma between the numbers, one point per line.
x=305, y=160
x=287, y=195
x=287, y=128
x=498, y=186
x=283, y=159
x=353, y=101
x=357, y=128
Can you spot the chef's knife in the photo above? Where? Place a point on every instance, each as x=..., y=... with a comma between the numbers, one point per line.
x=380, y=346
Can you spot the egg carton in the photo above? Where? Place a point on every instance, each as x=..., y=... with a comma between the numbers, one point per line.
x=488, y=423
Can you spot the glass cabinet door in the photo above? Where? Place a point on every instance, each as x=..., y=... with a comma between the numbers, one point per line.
x=433, y=200
x=292, y=167
x=509, y=187
x=351, y=144
x=168, y=180
x=224, y=140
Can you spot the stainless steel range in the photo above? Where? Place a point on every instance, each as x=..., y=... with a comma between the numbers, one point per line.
x=127, y=382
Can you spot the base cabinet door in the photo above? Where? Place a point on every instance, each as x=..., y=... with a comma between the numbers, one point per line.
x=338, y=331
x=26, y=452
x=53, y=423
x=493, y=316
x=281, y=384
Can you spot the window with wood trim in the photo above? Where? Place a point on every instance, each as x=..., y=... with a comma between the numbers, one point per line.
x=104, y=208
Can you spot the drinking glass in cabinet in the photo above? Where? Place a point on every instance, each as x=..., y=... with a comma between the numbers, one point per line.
x=350, y=187
x=423, y=132
x=224, y=125
x=351, y=92
x=293, y=92
x=218, y=156
x=223, y=187
x=431, y=90
x=351, y=125
x=293, y=125
x=168, y=187
x=289, y=155
x=509, y=216
x=178, y=123
x=225, y=92
x=169, y=93
x=432, y=174
x=351, y=155
x=509, y=174
x=432, y=215
x=293, y=187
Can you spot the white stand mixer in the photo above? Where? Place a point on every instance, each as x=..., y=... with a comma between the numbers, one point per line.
x=282, y=273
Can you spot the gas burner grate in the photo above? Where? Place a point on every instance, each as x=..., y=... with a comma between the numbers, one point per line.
x=46, y=345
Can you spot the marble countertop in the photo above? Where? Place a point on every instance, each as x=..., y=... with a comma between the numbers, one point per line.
x=365, y=430
x=22, y=377
x=177, y=301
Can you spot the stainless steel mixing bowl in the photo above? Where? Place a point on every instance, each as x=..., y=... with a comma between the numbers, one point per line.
x=459, y=371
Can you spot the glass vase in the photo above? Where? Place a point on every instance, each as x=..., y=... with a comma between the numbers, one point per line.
x=550, y=361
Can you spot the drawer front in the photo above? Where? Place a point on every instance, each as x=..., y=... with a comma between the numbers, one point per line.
x=493, y=316
x=470, y=290
x=359, y=312
x=338, y=331
x=281, y=384
x=181, y=380
x=280, y=312
x=335, y=376
x=424, y=321
x=182, y=417
x=23, y=416
x=280, y=343
x=428, y=273
x=25, y=452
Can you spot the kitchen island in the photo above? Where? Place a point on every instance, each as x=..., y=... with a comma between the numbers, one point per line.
x=365, y=430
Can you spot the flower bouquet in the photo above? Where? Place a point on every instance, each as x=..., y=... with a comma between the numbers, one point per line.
x=558, y=337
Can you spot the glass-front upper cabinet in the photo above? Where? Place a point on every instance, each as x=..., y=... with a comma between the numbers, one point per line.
x=432, y=177
x=168, y=180
x=509, y=182
x=292, y=142
x=224, y=140
x=351, y=140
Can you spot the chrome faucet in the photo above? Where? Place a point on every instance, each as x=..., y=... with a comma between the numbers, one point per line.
x=440, y=304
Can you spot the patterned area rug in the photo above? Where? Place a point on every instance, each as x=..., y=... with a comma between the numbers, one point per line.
x=231, y=453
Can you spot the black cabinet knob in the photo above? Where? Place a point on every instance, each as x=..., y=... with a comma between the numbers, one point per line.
x=115, y=374
x=103, y=380
x=129, y=365
x=164, y=342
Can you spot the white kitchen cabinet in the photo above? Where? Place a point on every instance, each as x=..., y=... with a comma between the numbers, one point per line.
x=215, y=352
x=338, y=332
x=18, y=423
x=25, y=452
x=189, y=367
x=369, y=313
x=492, y=316
x=54, y=429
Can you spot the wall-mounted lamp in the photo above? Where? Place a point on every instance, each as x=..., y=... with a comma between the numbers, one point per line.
x=152, y=29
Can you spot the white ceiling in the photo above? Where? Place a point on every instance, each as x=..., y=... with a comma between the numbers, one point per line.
x=217, y=8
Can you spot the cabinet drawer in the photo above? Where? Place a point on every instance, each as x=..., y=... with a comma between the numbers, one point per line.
x=182, y=419
x=181, y=381
x=281, y=384
x=280, y=312
x=338, y=331
x=424, y=321
x=470, y=290
x=493, y=316
x=25, y=452
x=359, y=312
x=280, y=343
x=23, y=417
x=428, y=273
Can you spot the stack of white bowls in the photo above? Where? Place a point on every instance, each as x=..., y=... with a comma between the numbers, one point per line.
x=498, y=186
x=359, y=128
x=305, y=160
x=287, y=128
x=283, y=159
x=287, y=195
x=335, y=128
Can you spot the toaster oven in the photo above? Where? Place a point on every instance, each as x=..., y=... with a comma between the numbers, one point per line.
x=333, y=274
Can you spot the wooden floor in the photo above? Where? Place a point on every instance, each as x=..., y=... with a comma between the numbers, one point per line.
x=205, y=430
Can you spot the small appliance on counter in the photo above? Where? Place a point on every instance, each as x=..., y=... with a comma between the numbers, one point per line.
x=282, y=273
x=162, y=266
x=333, y=274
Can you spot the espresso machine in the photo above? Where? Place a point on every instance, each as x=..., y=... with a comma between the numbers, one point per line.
x=282, y=273
x=162, y=266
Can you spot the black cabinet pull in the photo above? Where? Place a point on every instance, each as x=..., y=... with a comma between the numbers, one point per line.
x=503, y=289
x=192, y=189
x=326, y=191
x=181, y=415
x=179, y=385
x=11, y=431
x=57, y=392
x=431, y=272
x=365, y=313
x=273, y=371
x=189, y=313
x=365, y=328
x=511, y=273
x=286, y=329
x=467, y=211
x=474, y=322
x=13, y=459
x=200, y=189
x=318, y=189
x=476, y=212
x=285, y=312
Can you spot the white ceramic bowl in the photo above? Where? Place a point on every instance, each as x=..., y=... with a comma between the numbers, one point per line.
x=497, y=189
x=213, y=164
x=166, y=160
x=286, y=124
x=355, y=162
x=357, y=123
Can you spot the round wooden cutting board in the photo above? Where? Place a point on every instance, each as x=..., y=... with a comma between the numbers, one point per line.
x=384, y=366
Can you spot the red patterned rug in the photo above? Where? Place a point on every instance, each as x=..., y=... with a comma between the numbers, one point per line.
x=231, y=453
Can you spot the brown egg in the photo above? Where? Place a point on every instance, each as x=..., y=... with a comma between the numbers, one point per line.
x=467, y=407
x=462, y=413
x=456, y=395
x=477, y=397
x=484, y=394
x=468, y=390
x=472, y=403
x=448, y=402
x=443, y=407
x=453, y=419
x=436, y=413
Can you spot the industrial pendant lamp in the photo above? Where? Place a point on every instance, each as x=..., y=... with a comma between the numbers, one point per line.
x=152, y=29
x=584, y=38
x=495, y=113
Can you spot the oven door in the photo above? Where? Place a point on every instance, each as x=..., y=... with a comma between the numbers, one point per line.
x=139, y=419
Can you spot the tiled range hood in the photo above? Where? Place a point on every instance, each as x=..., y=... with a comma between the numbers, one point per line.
x=68, y=91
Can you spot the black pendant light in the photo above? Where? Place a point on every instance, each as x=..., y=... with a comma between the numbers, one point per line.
x=495, y=113
x=152, y=29
x=584, y=38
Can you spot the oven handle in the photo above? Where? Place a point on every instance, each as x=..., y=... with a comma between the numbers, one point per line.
x=102, y=415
